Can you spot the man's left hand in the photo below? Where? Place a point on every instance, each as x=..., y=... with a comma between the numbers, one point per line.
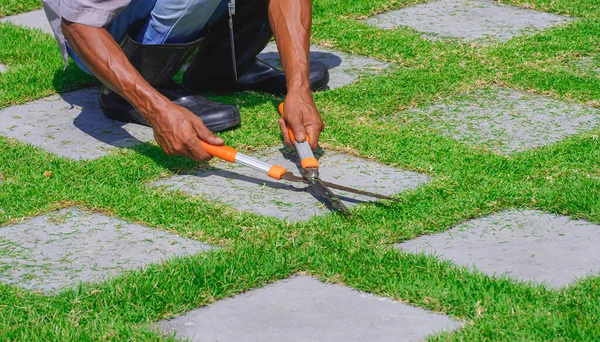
x=302, y=116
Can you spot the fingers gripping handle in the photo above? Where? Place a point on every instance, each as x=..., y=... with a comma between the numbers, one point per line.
x=307, y=158
x=230, y=154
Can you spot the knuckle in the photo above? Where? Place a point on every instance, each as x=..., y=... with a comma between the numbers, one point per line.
x=189, y=142
x=180, y=150
x=204, y=157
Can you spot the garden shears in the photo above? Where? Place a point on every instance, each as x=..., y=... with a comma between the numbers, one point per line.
x=310, y=166
x=310, y=171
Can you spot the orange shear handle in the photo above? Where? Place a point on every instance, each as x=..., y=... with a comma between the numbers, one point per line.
x=230, y=154
x=227, y=153
x=307, y=158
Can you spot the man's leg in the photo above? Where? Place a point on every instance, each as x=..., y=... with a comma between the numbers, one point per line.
x=161, y=22
x=212, y=68
x=137, y=12
x=165, y=33
x=177, y=21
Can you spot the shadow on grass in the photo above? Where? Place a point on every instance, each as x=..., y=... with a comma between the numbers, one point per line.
x=72, y=78
x=92, y=121
x=209, y=171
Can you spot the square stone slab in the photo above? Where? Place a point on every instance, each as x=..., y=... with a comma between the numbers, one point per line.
x=343, y=68
x=506, y=120
x=34, y=19
x=2, y=68
x=527, y=245
x=63, y=248
x=71, y=125
x=305, y=309
x=484, y=21
x=250, y=190
x=589, y=64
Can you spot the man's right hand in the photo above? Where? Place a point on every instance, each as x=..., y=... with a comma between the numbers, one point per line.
x=178, y=131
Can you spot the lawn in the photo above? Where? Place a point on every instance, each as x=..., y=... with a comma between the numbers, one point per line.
x=467, y=182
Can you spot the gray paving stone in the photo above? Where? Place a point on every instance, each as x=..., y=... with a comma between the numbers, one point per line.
x=589, y=64
x=506, y=120
x=58, y=250
x=249, y=190
x=2, y=68
x=526, y=245
x=70, y=125
x=343, y=68
x=35, y=19
x=304, y=309
x=485, y=21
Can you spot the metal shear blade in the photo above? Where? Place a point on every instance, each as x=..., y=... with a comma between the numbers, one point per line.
x=293, y=178
x=312, y=178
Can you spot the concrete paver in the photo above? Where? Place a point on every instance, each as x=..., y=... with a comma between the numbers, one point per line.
x=485, y=21
x=61, y=249
x=249, y=190
x=304, y=309
x=71, y=125
x=343, y=68
x=506, y=120
x=34, y=19
x=589, y=64
x=527, y=245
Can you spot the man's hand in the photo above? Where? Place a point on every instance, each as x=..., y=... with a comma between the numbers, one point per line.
x=291, y=22
x=302, y=115
x=178, y=131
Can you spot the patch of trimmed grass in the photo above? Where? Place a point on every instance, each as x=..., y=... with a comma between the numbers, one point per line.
x=467, y=182
x=12, y=7
x=34, y=67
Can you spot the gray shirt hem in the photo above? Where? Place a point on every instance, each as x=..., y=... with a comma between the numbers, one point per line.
x=87, y=15
x=96, y=13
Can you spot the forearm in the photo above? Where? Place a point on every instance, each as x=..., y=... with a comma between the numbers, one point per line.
x=291, y=23
x=103, y=56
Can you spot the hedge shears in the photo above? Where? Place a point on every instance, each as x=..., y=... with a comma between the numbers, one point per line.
x=310, y=170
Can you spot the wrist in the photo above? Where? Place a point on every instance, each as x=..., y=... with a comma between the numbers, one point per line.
x=302, y=90
x=298, y=85
x=150, y=103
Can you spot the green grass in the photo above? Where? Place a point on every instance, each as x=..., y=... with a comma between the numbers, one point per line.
x=467, y=182
x=12, y=7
